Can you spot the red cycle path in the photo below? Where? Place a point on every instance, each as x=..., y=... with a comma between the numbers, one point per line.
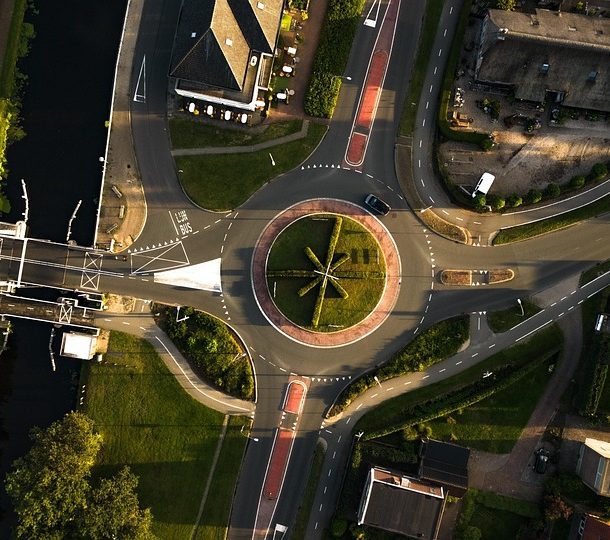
x=279, y=460
x=369, y=98
x=294, y=399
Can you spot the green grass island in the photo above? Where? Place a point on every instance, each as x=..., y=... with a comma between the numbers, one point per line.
x=325, y=272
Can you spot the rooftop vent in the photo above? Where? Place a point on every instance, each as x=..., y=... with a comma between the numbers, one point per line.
x=193, y=34
x=592, y=76
x=544, y=68
x=229, y=42
x=260, y=5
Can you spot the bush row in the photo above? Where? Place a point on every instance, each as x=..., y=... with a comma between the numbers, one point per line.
x=460, y=398
x=435, y=344
x=336, y=39
x=598, y=172
x=210, y=348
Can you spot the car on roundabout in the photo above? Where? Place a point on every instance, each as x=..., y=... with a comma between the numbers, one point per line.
x=377, y=205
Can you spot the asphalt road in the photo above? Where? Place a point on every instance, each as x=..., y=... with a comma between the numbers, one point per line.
x=178, y=234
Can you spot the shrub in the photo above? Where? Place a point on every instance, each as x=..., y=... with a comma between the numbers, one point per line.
x=497, y=202
x=486, y=144
x=338, y=527
x=599, y=171
x=480, y=201
x=577, y=182
x=533, y=196
x=513, y=201
x=552, y=191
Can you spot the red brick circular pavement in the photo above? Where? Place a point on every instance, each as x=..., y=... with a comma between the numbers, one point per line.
x=341, y=337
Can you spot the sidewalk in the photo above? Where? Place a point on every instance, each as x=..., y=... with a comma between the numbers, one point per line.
x=208, y=150
x=121, y=167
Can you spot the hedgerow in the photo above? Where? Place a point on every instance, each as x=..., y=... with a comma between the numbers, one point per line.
x=336, y=39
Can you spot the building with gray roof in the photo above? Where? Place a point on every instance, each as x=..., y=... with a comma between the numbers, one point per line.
x=548, y=56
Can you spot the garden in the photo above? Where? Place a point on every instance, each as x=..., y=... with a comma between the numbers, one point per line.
x=325, y=272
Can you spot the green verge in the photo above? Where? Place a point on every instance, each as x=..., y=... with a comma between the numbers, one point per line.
x=474, y=137
x=211, y=349
x=530, y=230
x=502, y=321
x=217, y=508
x=149, y=423
x=225, y=181
x=391, y=416
x=495, y=423
x=189, y=133
x=332, y=54
x=11, y=55
x=594, y=272
x=300, y=525
x=426, y=39
x=430, y=347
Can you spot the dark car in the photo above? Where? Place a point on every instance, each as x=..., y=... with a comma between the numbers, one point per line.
x=542, y=460
x=376, y=204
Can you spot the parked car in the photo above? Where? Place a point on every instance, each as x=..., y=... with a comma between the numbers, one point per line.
x=376, y=204
x=542, y=460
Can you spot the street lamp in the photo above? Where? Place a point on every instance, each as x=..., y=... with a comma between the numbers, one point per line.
x=521, y=306
x=346, y=77
x=377, y=380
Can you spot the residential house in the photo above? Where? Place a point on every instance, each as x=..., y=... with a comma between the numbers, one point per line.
x=400, y=504
x=445, y=464
x=593, y=466
x=223, y=51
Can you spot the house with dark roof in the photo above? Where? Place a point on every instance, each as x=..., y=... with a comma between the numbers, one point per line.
x=445, y=464
x=593, y=465
x=400, y=504
x=223, y=50
x=547, y=56
x=588, y=527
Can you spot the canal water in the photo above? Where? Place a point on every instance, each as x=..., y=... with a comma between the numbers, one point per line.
x=70, y=71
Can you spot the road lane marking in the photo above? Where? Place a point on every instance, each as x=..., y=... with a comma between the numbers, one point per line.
x=458, y=363
x=475, y=354
x=491, y=346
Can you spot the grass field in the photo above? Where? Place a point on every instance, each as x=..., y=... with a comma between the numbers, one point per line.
x=426, y=40
x=496, y=524
x=223, y=182
x=502, y=321
x=495, y=424
x=149, y=423
x=187, y=133
x=391, y=412
x=288, y=253
x=217, y=509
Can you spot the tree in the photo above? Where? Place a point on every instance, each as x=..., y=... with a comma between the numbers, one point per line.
x=533, y=196
x=48, y=486
x=514, y=200
x=577, y=182
x=506, y=5
x=552, y=190
x=497, y=202
x=480, y=200
x=114, y=511
x=598, y=171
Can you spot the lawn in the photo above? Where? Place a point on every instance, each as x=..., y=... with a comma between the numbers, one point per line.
x=529, y=230
x=217, y=509
x=187, y=133
x=149, y=423
x=391, y=412
x=225, y=181
x=502, y=321
x=426, y=39
x=496, y=524
x=362, y=275
x=495, y=424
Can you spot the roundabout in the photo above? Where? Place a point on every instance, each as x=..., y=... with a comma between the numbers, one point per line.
x=325, y=273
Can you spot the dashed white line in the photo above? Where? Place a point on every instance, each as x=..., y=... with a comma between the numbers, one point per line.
x=431, y=199
x=441, y=370
x=435, y=70
x=450, y=10
x=427, y=104
x=408, y=382
x=359, y=406
x=491, y=346
x=125, y=323
x=423, y=123
x=561, y=314
x=553, y=304
x=425, y=377
x=431, y=86
x=445, y=33
x=440, y=51
x=348, y=420
x=445, y=212
x=374, y=395
x=477, y=222
x=458, y=363
x=475, y=354
x=419, y=162
x=334, y=454
x=422, y=182
x=459, y=218
x=142, y=328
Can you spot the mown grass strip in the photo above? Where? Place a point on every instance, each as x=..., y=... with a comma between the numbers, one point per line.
x=11, y=54
x=225, y=181
x=502, y=321
x=426, y=39
x=216, y=512
x=391, y=412
x=300, y=526
x=149, y=423
x=594, y=272
x=187, y=133
x=530, y=230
